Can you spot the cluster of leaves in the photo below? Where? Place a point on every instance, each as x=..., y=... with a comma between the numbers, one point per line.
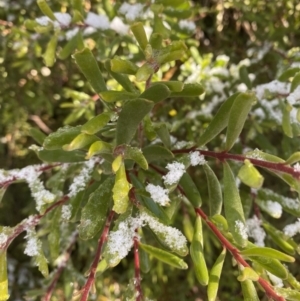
x=131, y=155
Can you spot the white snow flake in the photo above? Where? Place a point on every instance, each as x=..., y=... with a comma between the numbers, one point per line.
x=292, y=229
x=255, y=231
x=158, y=194
x=197, y=159
x=97, y=21
x=239, y=225
x=188, y=25
x=131, y=11
x=176, y=170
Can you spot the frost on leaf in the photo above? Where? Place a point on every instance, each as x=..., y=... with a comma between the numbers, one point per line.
x=197, y=159
x=158, y=194
x=33, y=245
x=176, y=170
x=292, y=229
x=255, y=231
x=84, y=176
x=241, y=228
x=66, y=212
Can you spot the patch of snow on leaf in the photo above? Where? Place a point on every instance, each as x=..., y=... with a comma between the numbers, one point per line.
x=255, y=231
x=241, y=228
x=292, y=229
x=197, y=159
x=188, y=25
x=97, y=21
x=176, y=170
x=119, y=26
x=131, y=11
x=32, y=244
x=158, y=194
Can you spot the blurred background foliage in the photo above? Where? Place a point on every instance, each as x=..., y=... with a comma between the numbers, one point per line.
x=236, y=45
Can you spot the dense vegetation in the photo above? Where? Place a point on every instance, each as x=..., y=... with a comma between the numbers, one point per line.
x=149, y=150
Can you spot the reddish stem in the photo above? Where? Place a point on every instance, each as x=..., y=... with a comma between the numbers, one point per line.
x=237, y=256
x=60, y=268
x=91, y=278
x=137, y=271
x=222, y=156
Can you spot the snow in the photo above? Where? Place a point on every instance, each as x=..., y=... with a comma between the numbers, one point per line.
x=297, y=167
x=80, y=180
x=43, y=21
x=294, y=96
x=197, y=159
x=97, y=21
x=71, y=33
x=255, y=230
x=275, y=87
x=241, y=228
x=3, y=239
x=66, y=212
x=119, y=26
x=188, y=25
x=158, y=194
x=131, y=11
x=176, y=170
x=277, y=282
x=63, y=19
x=32, y=245
x=292, y=229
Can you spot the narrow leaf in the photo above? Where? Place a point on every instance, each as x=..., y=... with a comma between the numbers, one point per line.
x=90, y=69
x=233, y=207
x=156, y=93
x=214, y=191
x=163, y=133
x=273, y=266
x=267, y=252
x=112, y=96
x=3, y=277
x=99, y=147
x=80, y=141
x=123, y=66
x=164, y=256
x=237, y=117
x=295, y=157
x=37, y=135
x=190, y=189
x=131, y=115
x=250, y=176
x=197, y=255
x=157, y=153
x=136, y=155
x=287, y=74
x=62, y=156
x=94, y=213
x=144, y=72
x=95, y=124
x=219, y=122
x=174, y=86
x=46, y=10
x=189, y=90
x=49, y=55
x=214, y=277
x=249, y=291
x=140, y=34
x=295, y=82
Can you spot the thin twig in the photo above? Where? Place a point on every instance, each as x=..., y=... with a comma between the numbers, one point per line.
x=61, y=267
x=137, y=271
x=237, y=256
x=91, y=278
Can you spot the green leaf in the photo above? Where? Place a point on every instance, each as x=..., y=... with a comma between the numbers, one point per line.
x=49, y=55
x=61, y=156
x=288, y=294
x=46, y=10
x=136, y=155
x=112, y=96
x=120, y=191
x=174, y=86
x=172, y=3
x=214, y=191
x=61, y=137
x=69, y=47
x=2, y=192
x=122, y=79
x=257, y=154
x=197, y=255
x=189, y=90
x=164, y=256
x=190, y=189
x=131, y=115
x=93, y=215
x=273, y=266
x=279, y=238
x=287, y=74
x=267, y=252
x=157, y=153
x=123, y=66
x=250, y=176
x=3, y=276
x=163, y=133
x=244, y=76
x=247, y=273
x=237, y=117
x=170, y=56
x=249, y=291
x=219, y=122
x=295, y=82
x=95, y=124
x=37, y=135
x=156, y=40
x=233, y=207
x=156, y=93
x=188, y=228
x=214, y=277
x=90, y=69
x=295, y=157
x=144, y=72
x=149, y=128
x=80, y=141
x=99, y=147
x=140, y=34
x=286, y=121
x=54, y=235
x=160, y=28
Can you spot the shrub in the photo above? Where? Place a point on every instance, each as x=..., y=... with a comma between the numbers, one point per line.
x=168, y=159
